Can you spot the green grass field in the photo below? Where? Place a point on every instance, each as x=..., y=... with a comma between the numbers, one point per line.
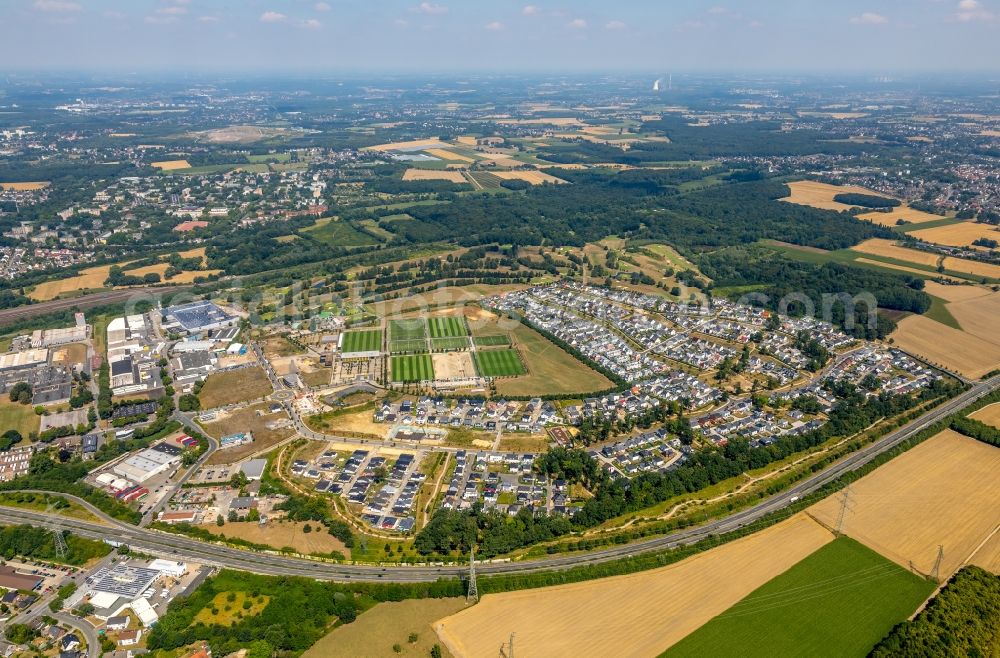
x=447, y=327
x=412, y=368
x=368, y=340
x=410, y=346
x=411, y=329
x=491, y=341
x=449, y=344
x=839, y=601
x=499, y=363
x=337, y=233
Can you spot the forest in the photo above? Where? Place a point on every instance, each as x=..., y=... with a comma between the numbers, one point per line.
x=962, y=620
x=38, y=543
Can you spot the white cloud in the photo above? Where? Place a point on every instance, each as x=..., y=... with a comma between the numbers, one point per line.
x=494, y=26
x=869, y=18
x=615, y=25
x=322, y=6
x=972, y=10
x=172, y=11
x=57, y=6
x=529, y=10
x=578, y=24
x=310, y=24
x=272, y=17
x=430, y=8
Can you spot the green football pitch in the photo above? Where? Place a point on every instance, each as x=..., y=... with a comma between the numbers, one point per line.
x=499, y=363
x=412, y=368
x=447, y=327
x=369, y=340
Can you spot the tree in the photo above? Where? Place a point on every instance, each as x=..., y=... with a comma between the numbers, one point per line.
x=21, y=393
x=9, y=439
x=219, y=521
x=20, y=633
x=436, y=651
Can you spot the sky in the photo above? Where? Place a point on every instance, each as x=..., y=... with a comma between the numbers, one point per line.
x=500, y=35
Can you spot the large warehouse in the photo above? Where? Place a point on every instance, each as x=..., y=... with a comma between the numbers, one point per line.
x=196, y=317
x=146, y=464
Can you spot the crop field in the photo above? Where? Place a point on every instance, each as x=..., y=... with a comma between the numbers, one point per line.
x=496, y=340
x=448, y=326
x=448, y=344
x=24, y=186
x=366, y=340
x=820, y=195
x=232, y=386
x=446, y=154
x=901, y=212
x=889, y=249
x=957, y=235
x=412, y=145
x=411, y=329
x=955, y=293
x=412, y=368
x=639, y=614
x=952, y=348
x=989, y=414
x=839, y=601
x=434, y=174
x=499, y=363
x=979, y=316
x=486, y=180
x=941, y=493
x=988, y=556
x=89, y=278
x=972, y=267
x=533, y=177
x=171, y=165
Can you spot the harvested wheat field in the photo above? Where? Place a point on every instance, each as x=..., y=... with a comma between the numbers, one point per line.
x=972, y=267
x=434, y=174
x=467, y=140
x=170, y=165
x=889, y=249
x=820, y=195
x=903, y=212
x=638, y=614
x=445, y=154
x=957, y=235
x=901, y=268
x=979, y=317
x=989, y=414
x=533, y=177
x=988, y=555
x=414, y=144
x=24, y=187
x=92, y=277
x=955, y=293
x=941, y=493
x=453, y=365
x=953, y=349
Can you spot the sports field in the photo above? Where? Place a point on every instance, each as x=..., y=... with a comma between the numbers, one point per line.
x=412, y=368
x=407, y=329
x=447, y=326
x=640, y=614
x=839, y=601
x=367, y=340
x=941, y=493
x=499, y=363
x=448, y=344
x=491, y=341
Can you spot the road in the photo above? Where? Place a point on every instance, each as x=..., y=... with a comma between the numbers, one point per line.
x=181, y=547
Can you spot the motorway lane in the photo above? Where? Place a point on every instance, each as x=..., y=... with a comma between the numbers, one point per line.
x=83, y=302
x=194, y=550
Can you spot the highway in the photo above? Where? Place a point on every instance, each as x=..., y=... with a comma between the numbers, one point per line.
x=83, y=302
x=181, y=547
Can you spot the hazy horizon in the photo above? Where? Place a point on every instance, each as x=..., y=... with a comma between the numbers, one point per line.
x=343, y=36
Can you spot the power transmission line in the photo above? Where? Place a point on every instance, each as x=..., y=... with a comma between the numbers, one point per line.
x=473, y=594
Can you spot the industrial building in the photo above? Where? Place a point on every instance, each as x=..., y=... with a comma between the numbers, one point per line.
x=148, y=463
x=195, y=318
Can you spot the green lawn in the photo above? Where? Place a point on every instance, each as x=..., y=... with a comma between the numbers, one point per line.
x=412, y=368
x=839, y=601
x=450, y=344
x=338, y=233
x=499, y=363
x=447, y=327
x=491, y=341
x=411, y=329
x=408, y=346
x=20, y=417
x=367, y=340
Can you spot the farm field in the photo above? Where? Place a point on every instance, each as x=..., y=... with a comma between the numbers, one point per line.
x=972, y=267
x=447, y=326
x=990, y=414
x=230, y=387
x=24, y=186
x=638, y=614
x=171, y=165
x=839, y=601
x=820, y=195
x=957, y=235
x=533, y=177
x=278, y=534
x=979, y=316
x=89, y=278
x=942, y=492
x=366, y=340
x=434, y=174
x=954, y=293
x=988, y=555
x=373, y=634
x=901, y=212
x=956, y=350
x=499, y=363
x=446, y=154
x=412, y=368
x=889, y=249
x=254, y=419
x=335, y=232
x=412, y=145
